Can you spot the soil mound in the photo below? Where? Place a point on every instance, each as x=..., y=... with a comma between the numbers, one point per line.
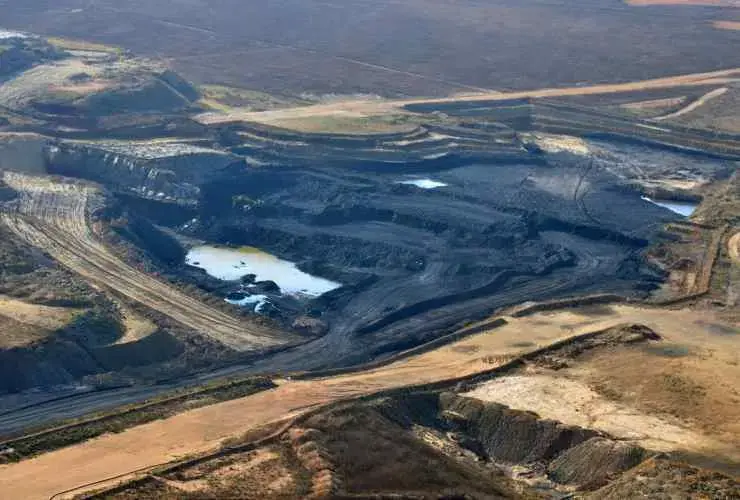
x=593, y=462
x=663, y=478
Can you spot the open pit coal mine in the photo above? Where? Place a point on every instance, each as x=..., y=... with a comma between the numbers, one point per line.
x=506, y=223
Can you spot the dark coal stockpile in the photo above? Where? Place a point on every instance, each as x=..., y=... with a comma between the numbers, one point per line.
x=420, y=253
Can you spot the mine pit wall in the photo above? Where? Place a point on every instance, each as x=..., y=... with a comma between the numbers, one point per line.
x=164, y=213
x=172, y=178
x=558, y=118
x=575, y=456
x=417, y=150
x=570, y=456
x=136, y=128
x=63, y=359
x=438, y=404
x=342, y=140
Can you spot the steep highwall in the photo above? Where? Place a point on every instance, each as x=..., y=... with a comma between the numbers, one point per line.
x=571, y=455
x=146, y=172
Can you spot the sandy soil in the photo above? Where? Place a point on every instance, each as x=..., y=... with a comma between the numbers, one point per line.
x=204, y=428
x=374, y=107
x=36, y=315
x=727, y=25
x=678, y=394
x=575, y=403
x=655, y=103
x=54, y=216
x=22, y=324
x=136, y=327
x=558, y=143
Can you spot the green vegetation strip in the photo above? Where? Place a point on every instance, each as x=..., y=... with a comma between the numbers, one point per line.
x=78, y=431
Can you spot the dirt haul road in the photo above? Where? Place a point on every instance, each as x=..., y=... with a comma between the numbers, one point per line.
x=374, y=107
x=53, y=216
x=701, y=101
x=203, y=429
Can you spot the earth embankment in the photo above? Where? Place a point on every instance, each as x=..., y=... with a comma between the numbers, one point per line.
x=55, y=217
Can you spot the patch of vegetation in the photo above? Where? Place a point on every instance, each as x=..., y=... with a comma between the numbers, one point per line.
x=667, y=350
x=683, y=385
x=19, y=54
x=77, y=431
x=523, y=344
x=225, y=99
x=27, y=273
x=722, y=204
x=68, y=44
x=340, y=124
x=376, y=456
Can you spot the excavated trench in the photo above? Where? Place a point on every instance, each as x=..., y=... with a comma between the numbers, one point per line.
x=496, y=221
x=416, y=262
x=500, y=223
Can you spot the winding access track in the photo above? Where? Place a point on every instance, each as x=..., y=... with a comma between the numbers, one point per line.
x=54, y=216
x=204, y=429
x=701, y=101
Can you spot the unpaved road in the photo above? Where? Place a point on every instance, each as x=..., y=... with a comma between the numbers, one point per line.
x=360, y=108
x=733, y=248
x=701, y=101
x=203, y=429
x=53, y=216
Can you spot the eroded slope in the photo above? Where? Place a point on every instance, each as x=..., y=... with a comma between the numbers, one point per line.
x=55, y=216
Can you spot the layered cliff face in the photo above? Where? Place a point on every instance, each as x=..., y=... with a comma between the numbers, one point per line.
x=167, y=172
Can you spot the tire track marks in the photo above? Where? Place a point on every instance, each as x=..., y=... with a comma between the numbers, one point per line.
x=54, y=216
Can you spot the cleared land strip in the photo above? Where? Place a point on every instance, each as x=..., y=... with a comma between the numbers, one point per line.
x=381, y=107
x=53, y=216
x=727, y=25
x=204, y=429
x=693, y=105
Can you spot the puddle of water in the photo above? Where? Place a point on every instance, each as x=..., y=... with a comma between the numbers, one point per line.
x=233, y=263
x=685, y=209
x=424, y=183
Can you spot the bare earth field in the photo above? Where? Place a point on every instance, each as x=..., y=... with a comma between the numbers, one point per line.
x=679, y=394
x=203, y=429
x=37, y=315
x=375, y=107
x=727, y=25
